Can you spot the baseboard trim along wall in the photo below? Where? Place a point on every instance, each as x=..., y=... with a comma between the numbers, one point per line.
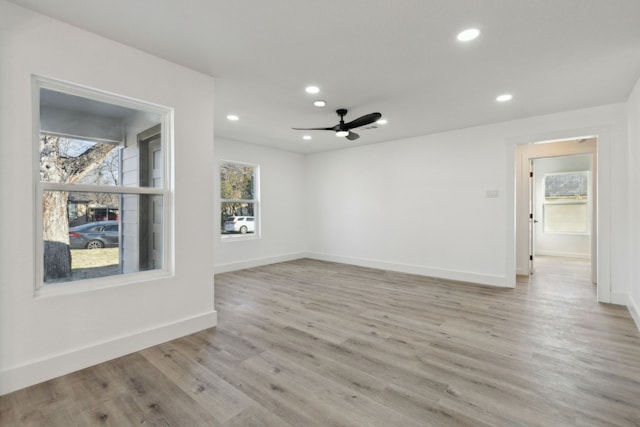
x=461, y=276
x=564, y=254
x=634, y=309
x=256, y=262
x=619, y=299
x=483, y=279
x=61, y=364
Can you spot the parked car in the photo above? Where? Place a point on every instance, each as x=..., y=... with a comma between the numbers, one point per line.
x=240, y=224
x=95, y=235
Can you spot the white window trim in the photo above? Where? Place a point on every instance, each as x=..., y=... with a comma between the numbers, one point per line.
x=257, y=234
x=72, y=287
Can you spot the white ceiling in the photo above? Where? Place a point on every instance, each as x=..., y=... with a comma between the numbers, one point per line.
x=400, y=58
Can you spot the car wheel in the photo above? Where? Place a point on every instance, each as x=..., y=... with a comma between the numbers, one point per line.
x=243, y=229
x=95, y=244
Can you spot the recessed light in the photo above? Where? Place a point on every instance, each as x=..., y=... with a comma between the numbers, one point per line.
x=382, y=122
x=319, y=103
x=312, y=89
x=233, y=117
x=306, y=137
x=504, y=97
x=468, y=34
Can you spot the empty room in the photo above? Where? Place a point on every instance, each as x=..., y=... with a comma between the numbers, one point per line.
x=338, y=213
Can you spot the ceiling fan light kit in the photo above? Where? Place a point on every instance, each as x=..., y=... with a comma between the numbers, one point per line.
x=468, y=34
x=343, y=130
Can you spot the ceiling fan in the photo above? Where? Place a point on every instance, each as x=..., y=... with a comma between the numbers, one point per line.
x=343, y=129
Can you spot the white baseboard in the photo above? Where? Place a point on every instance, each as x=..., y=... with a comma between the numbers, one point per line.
x=564, y=254
x=256, y=262
x=462, y=276
x=61, y=364
x=634, y=309
x=619, y=298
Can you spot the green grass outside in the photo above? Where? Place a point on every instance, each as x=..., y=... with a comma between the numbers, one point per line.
x=92, y=258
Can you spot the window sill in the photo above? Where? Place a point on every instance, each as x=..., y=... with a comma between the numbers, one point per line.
x=568, y=233
x=238, y=237
x=89, y=285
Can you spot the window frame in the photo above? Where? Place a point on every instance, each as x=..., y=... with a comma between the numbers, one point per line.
x=586, y=202
x=42, y=289
x=257, y=215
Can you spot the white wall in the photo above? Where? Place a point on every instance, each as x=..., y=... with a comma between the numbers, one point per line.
x=633, y=114
x=417, y=205
x=420, y=205
x=43, y=337
x=283, y=222
x=560, y=244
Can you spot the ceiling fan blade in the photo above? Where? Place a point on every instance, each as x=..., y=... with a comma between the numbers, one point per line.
x=331, y=128
x=362, y=121
x=352, y=136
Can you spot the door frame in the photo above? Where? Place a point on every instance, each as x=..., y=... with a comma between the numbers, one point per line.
x=525, y=154
x=591, y=204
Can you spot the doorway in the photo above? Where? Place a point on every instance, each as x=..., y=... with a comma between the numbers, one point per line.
x=556, y=212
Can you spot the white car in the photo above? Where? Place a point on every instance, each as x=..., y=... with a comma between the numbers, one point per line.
x=240, y=224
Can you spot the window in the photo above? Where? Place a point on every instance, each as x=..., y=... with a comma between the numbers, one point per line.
x=103, y=192
x=566, y=197
x=239, y=205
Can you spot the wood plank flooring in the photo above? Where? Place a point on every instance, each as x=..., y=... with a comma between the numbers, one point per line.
x=312, y=343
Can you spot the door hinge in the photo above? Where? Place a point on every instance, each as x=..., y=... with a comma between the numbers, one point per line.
x=531, y=174
x=530, y=257
x=530, y=216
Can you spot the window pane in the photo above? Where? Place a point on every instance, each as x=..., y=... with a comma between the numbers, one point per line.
x=239, y=198
x=566, y=186
x=142, y=232
x=237, y=181
x=81, y=142
x=64, y=160
x=565, y=218
x=91, y=235
x=235, y=216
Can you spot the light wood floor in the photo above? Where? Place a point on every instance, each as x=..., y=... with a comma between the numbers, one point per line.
x=311, y=343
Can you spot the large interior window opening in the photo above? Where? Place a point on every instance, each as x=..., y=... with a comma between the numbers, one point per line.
x=103, y=184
